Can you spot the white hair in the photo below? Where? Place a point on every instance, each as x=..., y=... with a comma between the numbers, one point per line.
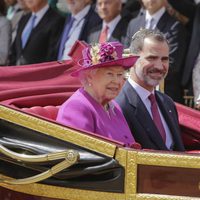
x=83, y=75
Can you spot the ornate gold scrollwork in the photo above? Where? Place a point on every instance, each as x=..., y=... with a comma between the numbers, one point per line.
x=70, y=157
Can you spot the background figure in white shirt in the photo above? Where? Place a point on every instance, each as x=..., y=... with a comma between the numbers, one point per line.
x=113, y=27
x=84, y=18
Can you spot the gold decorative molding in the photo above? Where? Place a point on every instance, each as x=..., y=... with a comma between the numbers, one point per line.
x=169, y=159
x=162, y=197
x=121, y=156
x=131, y=173
x=62, y=193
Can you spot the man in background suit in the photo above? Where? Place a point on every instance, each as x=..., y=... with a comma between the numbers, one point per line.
x=113, y=26
x=153, y=124
x=36, y=39
x=191, y=72
x=77, y=26
x=155, y=16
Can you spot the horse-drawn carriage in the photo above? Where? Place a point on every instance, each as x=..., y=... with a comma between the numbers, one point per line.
x=41, y=159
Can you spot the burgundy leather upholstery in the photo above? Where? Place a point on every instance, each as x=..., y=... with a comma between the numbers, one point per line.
x=190, y=127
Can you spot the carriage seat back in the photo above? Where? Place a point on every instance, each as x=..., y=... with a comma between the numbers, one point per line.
x=190, y=138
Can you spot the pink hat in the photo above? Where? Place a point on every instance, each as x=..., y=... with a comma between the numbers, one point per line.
x=99, y=55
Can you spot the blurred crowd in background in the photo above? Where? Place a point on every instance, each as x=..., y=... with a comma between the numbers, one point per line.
x=36, y=31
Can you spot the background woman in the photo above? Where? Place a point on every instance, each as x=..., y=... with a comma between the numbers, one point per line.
x=5, y=34
x=92, y=107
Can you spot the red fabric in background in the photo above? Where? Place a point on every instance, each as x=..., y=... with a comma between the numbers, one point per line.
x=189, y=121
x=38, y=84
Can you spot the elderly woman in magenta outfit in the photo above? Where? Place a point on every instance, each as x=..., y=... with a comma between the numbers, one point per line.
x=92, y=108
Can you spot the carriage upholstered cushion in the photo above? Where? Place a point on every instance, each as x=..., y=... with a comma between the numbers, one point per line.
x=190, y=126
x=49, y=112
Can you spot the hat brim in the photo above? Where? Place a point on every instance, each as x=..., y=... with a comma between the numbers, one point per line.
x=122, y=62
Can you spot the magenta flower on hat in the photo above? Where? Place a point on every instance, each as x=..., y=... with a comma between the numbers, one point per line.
x=107, y=52
x=98, y=53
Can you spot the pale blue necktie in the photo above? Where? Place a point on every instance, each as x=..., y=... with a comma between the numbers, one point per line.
x=26, y=34
x=65, y=37
x=151, y=24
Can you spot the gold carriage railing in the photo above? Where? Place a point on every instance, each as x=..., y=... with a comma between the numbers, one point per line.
x=189, y=100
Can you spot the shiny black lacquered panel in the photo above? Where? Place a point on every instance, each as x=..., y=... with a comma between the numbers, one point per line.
x=93, y=171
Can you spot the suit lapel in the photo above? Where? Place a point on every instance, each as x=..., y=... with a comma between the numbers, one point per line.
x=166, y=111
x=68, y=17
x=89, y=24
x=169, y=115
x=119, y=32
x=95, y=34
x=143, y=117
x=44, y=20
x=141, y=23
x=86, y=18
x=21, y=28
x=163, y=21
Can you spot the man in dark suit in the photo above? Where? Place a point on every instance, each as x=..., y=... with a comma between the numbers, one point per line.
x=191, y=72
x=156, y=16
x=37, y=34
x=77, y=26
x=154, y=124
x=113, y=27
